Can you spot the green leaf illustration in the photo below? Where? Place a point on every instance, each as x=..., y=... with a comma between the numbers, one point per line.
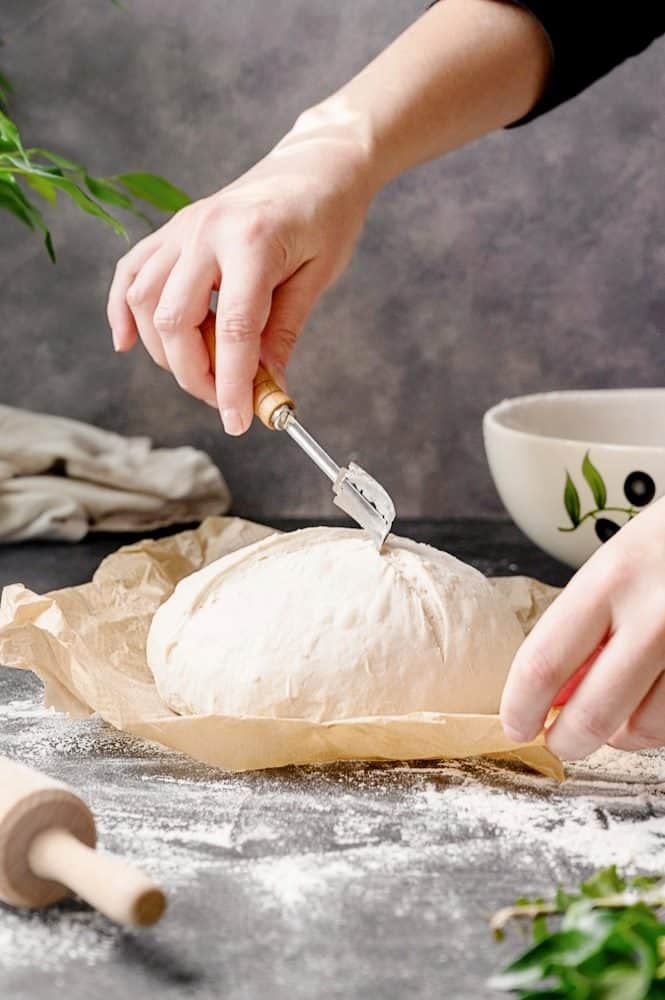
x=571, y=500
x=595, y=481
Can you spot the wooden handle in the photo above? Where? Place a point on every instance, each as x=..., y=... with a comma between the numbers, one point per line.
x=268, y=396
x=112, y=886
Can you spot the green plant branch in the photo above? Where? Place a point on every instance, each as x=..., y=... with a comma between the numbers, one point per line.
x=631, y=511
x=654, y=898
x=44, y=172
x=603, y=941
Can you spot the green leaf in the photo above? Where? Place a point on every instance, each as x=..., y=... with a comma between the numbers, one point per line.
x=105, y=191
x=43, y=187
x=605, y=882
x=544, y=995
x=48, y=243
x=9, y=131
x=155, y=190
x=58, y=160
x=5, y=89
x=14, y=201
x=87, y=204
x=595, y=481
x=644, y=881
x=563, y=899
x=10, y=200
x=627, y=981
x=564, y=948
x=571, y=500
x=540, y=929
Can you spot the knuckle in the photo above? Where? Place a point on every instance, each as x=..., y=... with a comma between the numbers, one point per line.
x=196, y=220
x=285, y=337
x=261, y=232
x=187, y=384
x=255, y=227
x=590, y=724
x=167, y=319
x=137, y=295
x=236, y=327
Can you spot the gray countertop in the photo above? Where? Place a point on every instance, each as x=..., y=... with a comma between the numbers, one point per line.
x=344, y=881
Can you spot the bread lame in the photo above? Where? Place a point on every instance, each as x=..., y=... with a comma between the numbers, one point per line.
x=354, y=490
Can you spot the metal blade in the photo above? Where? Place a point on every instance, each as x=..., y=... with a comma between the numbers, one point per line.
x=366, y=501
x=355, y=491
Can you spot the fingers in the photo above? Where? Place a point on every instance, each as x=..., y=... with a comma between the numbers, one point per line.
x=568, y=633
x=646, y=726
x=572, y=684
x=292, y=303
x=182, y=306
x=614, y=687
x=119, y=315
x=242, y=313
x=143, y=295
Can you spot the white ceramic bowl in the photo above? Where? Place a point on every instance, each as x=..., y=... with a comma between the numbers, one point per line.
x=537, y=445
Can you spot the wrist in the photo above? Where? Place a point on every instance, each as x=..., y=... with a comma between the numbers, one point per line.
x=348, y=133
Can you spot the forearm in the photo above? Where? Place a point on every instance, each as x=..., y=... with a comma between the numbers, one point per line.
x=465, y=68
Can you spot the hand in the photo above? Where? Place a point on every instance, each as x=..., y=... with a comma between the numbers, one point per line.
x=271, y=242
x=603, y=642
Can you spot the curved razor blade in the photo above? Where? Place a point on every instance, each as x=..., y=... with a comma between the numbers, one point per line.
x=365, y=500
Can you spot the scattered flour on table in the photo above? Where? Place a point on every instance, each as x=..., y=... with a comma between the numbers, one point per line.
x=53, y=939
x=301, y=844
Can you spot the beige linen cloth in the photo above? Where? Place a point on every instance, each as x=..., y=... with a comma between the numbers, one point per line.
x=60, y=478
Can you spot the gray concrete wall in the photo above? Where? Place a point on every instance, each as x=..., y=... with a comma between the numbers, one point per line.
x=532, y=260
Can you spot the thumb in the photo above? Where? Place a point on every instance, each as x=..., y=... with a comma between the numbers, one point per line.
x=292, y=302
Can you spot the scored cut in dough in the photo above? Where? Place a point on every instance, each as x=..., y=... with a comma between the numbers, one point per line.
x=316, y=624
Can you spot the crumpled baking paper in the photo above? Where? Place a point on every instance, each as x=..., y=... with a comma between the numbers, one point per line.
x=87, y=644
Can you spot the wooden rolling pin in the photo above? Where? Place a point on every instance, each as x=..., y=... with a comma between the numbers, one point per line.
x=268, y=396
x=47, y=840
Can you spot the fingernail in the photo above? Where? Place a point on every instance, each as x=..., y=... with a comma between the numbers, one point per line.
x=232, y=421
x=116, y=343
x=211, y=402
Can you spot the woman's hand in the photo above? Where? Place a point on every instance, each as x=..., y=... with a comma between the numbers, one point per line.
x=271, y=242
x=608, y=627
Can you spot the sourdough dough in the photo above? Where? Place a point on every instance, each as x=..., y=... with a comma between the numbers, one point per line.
x=317, y=625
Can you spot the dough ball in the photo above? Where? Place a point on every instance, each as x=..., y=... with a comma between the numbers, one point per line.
x=317, y=625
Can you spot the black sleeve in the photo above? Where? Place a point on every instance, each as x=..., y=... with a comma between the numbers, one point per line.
x=589, y=38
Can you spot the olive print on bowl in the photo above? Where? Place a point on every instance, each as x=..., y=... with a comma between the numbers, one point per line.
x=639, y=490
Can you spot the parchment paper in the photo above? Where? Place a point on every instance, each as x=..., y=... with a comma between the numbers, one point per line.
x=87, y=644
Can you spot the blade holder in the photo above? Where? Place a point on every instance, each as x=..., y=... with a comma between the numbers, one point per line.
x=354, y=490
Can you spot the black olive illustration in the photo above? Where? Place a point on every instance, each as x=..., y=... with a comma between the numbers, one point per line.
x=605, y=528
x=639, y=488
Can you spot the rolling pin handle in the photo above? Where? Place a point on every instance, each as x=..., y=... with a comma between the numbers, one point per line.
x=109, y=884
